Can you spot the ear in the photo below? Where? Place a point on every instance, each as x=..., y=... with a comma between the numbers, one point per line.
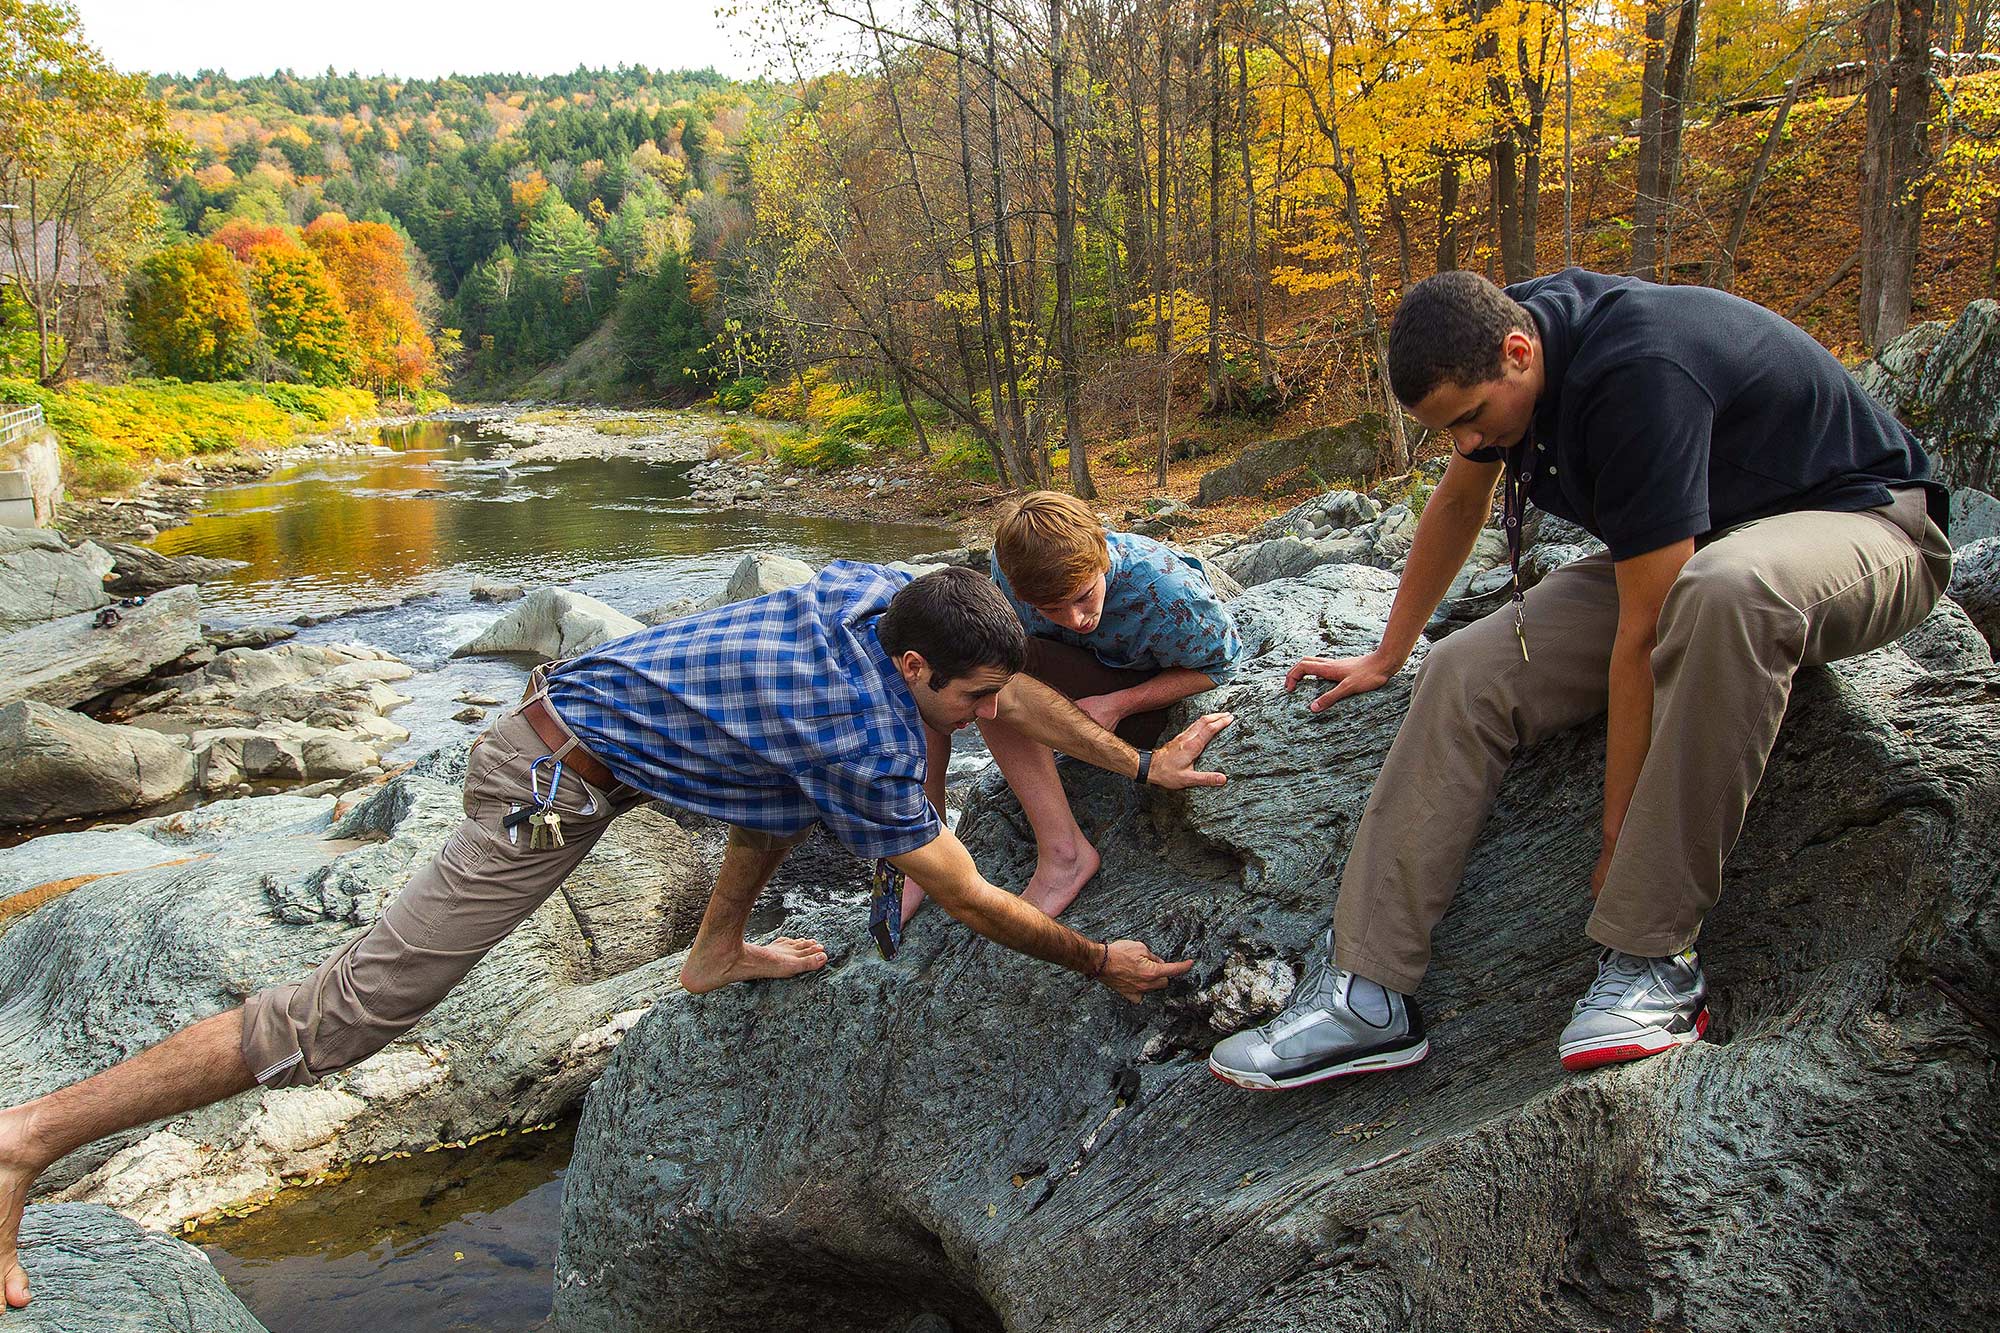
x=1517, y=349
x=911, y=664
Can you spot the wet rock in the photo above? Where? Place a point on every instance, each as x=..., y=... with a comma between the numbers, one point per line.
x=139, y=570
x=888, y=1141
x=550, y=624
x=90, y=1269
x=43, y=579
x=484, y=590
x=73, y=660
x=55, y=764
x=758, y=574
x=242, y=894
x=469, y=715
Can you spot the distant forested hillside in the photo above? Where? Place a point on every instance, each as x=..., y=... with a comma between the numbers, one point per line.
x=542, y=206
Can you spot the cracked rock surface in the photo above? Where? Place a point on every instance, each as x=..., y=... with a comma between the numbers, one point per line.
x=970, y=1138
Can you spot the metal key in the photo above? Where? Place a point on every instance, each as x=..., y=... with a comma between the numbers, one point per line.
x=538, y=832
x=552, y=828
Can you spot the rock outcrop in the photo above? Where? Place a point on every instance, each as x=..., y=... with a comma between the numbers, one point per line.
x=56, y=765
x=112, y=939
x=1975, y=516
x=1943, y=380
x=140, y=570
x=43, y=579
x=93, y=1271
x=969, y=1136
x=74, y=659
x=1975, y=585
x=1350, y=449
x=551, y=623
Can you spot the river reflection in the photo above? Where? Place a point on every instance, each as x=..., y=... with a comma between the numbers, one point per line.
x=443, y=1241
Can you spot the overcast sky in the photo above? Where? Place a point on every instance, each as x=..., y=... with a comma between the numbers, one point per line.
x=415, y=38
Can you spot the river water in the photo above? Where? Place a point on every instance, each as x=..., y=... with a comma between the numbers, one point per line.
x=454, y=1239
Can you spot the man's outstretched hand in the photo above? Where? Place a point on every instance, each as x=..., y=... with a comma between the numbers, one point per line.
x=1132, y=969
x=1173, y=763
x=1351, y=676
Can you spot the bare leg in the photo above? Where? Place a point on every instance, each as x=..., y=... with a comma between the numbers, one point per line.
x=1064, y=859
x=937, y=761
x=720, y=954
x=200, y=1064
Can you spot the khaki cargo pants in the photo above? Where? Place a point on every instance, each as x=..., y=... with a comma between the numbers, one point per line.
x=483, y=882
x=1753, y=605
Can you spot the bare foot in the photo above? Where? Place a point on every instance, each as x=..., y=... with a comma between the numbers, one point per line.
x=782, y=957
x=1057, y=881
x=913, y=898
x=16, y=1175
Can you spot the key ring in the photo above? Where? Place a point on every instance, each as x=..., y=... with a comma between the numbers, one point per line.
x=555, y=781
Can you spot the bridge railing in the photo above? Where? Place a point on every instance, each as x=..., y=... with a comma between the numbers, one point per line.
x=18, y=420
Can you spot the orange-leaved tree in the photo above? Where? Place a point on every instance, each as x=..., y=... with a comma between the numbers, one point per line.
x=300, y=312
x=370, y=267
x=190, y=313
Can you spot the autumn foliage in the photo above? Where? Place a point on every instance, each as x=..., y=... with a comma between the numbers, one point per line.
x=370, y=269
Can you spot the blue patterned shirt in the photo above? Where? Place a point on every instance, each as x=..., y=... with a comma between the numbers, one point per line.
x=1159, y=612
x=768, y=713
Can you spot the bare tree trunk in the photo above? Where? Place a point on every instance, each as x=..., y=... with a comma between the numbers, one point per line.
x=1447, y=246
x=1646, y=195
x=1726, y=270
x=1673, y=116
x=1163, y=317
x=1266, y=371
x=1079, y=455
x=1002, y=444
x=1393, y=201
x=1878, y=25
x=1909, y=166
x=1222, y=397
x=1569, y=133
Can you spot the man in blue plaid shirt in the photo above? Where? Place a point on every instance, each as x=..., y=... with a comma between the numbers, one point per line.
x=803, y=706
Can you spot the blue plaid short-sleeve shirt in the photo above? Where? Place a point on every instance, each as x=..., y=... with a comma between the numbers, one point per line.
x=768, y=713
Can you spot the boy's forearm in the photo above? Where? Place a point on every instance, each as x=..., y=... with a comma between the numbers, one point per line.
x=1164, y=690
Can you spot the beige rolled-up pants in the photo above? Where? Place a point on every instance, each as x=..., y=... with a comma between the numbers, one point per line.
x=1751, y=607
x=482, y=883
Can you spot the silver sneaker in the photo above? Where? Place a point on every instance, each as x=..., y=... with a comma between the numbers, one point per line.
x=1637, y=1007
x=1337, y=1023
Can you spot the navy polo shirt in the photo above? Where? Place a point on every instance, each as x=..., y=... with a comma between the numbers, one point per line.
x=1672, y=412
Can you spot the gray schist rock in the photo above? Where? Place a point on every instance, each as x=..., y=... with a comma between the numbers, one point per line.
x=140, y=570
x=974, y=1136
x=1975, y=516
x=92, y=1271
x=1975, y=585
x=42, y=579
x=551, y=623
x=73, y=660
x=56, y=765
x=242, y=894
x=1943, y=380
x=758, y=573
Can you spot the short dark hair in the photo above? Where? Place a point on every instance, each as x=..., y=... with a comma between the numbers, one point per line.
x=1448, y=330
x=958, y=621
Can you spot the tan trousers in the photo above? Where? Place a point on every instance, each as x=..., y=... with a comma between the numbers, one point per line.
x=482, y=883
x=1749, y=609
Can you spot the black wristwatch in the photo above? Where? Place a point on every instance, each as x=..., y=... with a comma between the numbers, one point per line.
x=1145, y=766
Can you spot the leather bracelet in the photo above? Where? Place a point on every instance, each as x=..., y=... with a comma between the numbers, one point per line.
x=1098, y=971
x=1145, y=766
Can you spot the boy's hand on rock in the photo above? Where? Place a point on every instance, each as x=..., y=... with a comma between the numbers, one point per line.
x=1352, y=675
x=1131, y=969
x=1173, y=763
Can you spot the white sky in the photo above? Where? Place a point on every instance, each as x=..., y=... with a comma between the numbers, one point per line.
x=416, y=38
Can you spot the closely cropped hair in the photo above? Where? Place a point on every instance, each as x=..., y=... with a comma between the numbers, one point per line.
x=1448, y=330
x=1050, y=545
x=959, y=621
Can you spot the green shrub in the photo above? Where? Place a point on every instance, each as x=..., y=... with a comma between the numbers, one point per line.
x=739, y=394
x=820, y=453
x=957, y=453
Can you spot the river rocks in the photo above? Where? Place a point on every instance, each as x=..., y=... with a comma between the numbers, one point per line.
x=884, y=1141
x=1944, y=381
x=972, y=557
x=243, y=894
x=55, y=765
x=73, y=660
x=1975, y=516
x=92, y=1271
x=551, y=623
x=757, y=574
x=139, y=570
x=1975, y=585
x=1382, y=542
x=1321, y=516
x=43, y=579
x=486, y=590
x=1350, y=449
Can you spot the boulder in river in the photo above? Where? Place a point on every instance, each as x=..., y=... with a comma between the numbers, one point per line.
x=551, y=623
x=92, y=1271
x=967, y=1135
x=56, y=765
x=759, y=573
x=140, y=570
x=488, y=590
x=73, y=660
x=41, y=578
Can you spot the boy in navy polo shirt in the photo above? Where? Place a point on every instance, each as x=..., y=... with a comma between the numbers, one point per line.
x=1761, y=513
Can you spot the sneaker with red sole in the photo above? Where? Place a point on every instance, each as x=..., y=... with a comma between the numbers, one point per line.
x=1637, y=1007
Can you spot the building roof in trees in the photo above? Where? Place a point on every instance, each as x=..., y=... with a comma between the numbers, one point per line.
x=78, y=269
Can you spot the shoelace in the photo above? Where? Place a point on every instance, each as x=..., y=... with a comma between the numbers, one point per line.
x=1321, y=977
x=1616, y=971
